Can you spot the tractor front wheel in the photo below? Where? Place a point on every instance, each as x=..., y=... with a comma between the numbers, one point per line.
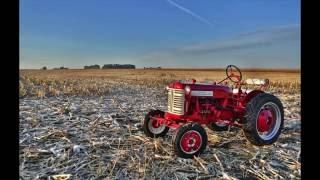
x=150, y=126
x=190, y=140
x=264, y=119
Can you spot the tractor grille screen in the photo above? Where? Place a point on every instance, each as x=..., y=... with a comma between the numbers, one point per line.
x=176, y=101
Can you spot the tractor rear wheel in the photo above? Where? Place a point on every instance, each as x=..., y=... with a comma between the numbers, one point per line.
x=150, y=127
x=190, y=140
x=215, y=126
x=264, y=119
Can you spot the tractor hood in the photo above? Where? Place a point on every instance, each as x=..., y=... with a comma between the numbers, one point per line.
x=199, y=86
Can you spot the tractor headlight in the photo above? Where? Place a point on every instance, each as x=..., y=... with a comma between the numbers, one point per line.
x=187, y=90
x=167, y=88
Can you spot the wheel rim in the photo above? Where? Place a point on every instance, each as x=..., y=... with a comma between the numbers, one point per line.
x=154, y=128
x=191, y=142
x=268, y=121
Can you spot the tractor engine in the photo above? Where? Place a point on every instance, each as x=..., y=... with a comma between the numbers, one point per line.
x=207, y=105
x=212, y=109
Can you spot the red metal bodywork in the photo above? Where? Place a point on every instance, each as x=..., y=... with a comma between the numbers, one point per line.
x=224, y=105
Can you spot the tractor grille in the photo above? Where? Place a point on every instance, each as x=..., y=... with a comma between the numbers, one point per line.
x=176, y=101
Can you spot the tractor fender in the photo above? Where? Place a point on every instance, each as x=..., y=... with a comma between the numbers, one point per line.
x=251, y=95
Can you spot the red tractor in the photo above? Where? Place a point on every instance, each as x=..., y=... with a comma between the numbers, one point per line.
x=192, y=104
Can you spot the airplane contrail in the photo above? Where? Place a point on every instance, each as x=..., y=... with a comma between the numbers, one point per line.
x=190, y=12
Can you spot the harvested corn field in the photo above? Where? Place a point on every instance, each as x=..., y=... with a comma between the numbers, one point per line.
x=86, y=124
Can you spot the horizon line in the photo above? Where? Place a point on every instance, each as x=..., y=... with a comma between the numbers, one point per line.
x=180, y=68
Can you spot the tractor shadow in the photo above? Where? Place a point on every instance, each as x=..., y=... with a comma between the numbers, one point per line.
x=232, y=139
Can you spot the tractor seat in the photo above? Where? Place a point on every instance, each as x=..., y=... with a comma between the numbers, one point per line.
x=236, y=90
x=262, y=82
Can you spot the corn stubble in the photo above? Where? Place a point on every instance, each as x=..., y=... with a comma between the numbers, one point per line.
x=86, y=124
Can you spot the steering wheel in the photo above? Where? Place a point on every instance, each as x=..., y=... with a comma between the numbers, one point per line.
x=234, y=73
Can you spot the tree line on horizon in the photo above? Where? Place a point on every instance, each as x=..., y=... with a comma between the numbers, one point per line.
x=111, y=66
x=62, y=67
x=96, y=66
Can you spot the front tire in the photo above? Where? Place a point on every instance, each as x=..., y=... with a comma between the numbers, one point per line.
x=149, y=126
x=264, y=119
x=190, y=140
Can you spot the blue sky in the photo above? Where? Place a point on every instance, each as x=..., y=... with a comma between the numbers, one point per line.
x=167, y=33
